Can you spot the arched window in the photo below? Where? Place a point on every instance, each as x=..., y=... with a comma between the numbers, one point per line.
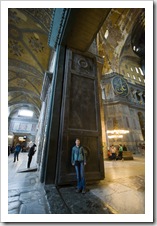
x=141, y=71
x=136, y=70
x=106, y=34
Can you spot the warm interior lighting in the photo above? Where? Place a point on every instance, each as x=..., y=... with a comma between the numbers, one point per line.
x=115, y=136
x=10, y=136
x=25, y=113
x=118, y=131
x=21, y=139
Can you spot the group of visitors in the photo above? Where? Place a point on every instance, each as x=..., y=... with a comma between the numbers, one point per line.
x=116, y=153
x=31, y=152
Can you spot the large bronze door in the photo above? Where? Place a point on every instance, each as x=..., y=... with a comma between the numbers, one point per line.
x=80, y=118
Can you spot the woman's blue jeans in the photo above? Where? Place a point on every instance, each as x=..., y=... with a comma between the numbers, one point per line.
x=81, y=184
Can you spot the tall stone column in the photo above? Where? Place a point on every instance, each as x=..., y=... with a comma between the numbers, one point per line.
x=45, y=135
x=100, y=63
x=49, y=160
x=39, y=137
x=45, y=98
x=40, y=132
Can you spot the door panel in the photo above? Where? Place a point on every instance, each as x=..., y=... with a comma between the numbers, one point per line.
x=80, y=118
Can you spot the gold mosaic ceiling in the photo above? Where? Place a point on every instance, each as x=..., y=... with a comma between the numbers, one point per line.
x=29, y=52
x=123, y=29
x=28, y=55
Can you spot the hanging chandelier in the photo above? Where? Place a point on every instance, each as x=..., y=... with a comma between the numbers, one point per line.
x=116, y=133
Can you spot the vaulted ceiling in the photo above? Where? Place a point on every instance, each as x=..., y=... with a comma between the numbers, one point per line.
x=28, y=55
x=120, y=41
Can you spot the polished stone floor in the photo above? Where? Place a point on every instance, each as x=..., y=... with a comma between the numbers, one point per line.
x=121, y=192
x=123, y=189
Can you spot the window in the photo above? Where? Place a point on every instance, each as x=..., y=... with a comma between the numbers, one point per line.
x=139, y=79
x=25, y=113
x=141, y=71
x=128, y=74
x=106, y=34
x=136, y=70
x=134, y=76
x=131, y=69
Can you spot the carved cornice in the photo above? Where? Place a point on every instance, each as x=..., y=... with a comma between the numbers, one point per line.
x=125, y=102
x=113, y=98
x=57, y=24
x=23, y=119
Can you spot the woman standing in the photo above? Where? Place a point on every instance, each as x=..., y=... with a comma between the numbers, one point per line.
x=78, y=159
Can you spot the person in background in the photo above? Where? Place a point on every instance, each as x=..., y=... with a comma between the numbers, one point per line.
x=16, y=152
x=12, y=149
x=78, y=159
x=9, y=150
x=30, y=155
x=113, y=151
x=124, y=148
x=120, y=155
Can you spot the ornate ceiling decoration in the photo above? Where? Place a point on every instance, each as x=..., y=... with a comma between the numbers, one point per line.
x=28, y=55
x=116, y=36
x=29, y=52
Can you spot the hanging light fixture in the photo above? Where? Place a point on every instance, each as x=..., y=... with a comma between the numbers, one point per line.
x=116, y=133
